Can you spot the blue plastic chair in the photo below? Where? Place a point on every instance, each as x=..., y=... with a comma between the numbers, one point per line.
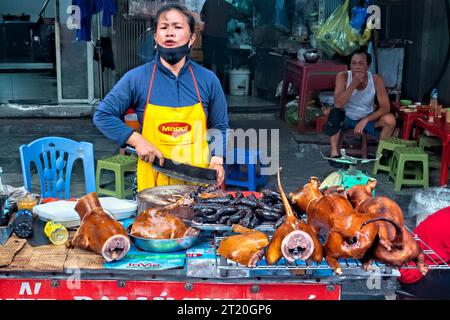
x=54, y=158
x=236, y=177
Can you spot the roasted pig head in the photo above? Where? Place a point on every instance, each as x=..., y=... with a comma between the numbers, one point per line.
x=159, y=224
x=293, y=240
x=395, y=245
x=359, y=193
x=99, y=232
x=246, y=248
x=304, y=195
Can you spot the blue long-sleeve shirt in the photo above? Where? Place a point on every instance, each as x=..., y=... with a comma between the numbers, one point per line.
x=168, y=90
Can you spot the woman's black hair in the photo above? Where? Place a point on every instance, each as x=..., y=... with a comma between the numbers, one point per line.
x=363, y=50
x=174, y=6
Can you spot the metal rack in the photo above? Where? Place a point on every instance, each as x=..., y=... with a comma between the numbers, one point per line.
x=350, y=267
x=438, y=262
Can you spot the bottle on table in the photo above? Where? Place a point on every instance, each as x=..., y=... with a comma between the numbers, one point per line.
x=27, y=202
x=4, y=212
x=23, y=224
x=56, y=232
x=434, y=103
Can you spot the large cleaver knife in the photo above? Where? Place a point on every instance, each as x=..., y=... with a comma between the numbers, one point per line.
x=182, y=171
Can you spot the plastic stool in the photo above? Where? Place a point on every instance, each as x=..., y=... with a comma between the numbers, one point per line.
x=237, y=177
x=320, y=123
x=389, y=144
x=430, y=142
x=119, y=164
x=402, y=155
x=427, y=142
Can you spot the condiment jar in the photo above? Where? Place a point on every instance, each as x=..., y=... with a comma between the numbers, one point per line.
x=27, y=202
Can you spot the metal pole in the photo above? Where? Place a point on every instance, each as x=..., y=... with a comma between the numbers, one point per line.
x=99, y=49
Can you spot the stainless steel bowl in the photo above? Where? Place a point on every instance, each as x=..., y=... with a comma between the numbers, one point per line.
x=163, y=245
x=311, y=56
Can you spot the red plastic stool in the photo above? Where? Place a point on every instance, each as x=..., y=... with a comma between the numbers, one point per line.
x=320, y=123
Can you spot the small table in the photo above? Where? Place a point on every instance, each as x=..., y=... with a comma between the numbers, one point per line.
x=408, y=117
x=442, y=130
x=307, y=76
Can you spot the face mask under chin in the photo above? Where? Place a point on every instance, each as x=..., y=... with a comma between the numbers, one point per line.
x=173, y=55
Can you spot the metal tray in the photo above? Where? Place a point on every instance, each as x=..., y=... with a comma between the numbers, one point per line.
x=349, y=266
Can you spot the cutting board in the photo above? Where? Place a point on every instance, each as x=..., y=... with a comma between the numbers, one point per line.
x=64, y=211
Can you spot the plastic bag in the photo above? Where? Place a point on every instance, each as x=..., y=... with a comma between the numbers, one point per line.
x=291, y=114
x=427, y=201
x=311, y=112
x=337, y=36
x=359, y=15
x=281, y=20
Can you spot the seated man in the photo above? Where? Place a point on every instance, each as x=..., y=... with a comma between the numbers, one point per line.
x=354, y=98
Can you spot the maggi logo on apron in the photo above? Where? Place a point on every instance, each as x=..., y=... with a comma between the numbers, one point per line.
x=174, y=129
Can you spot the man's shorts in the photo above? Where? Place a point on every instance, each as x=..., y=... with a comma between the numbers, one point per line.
x=338, y=121
x=369, y=128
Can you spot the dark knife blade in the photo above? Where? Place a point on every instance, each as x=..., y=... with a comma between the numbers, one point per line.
x=5, y=233
x=183, y=171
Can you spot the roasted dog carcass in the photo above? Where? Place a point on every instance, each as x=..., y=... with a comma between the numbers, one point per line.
x=348, y=233
x=158, y=224
x=246, y=248
x=293, y=239
x=395, y=245
x=98, y=231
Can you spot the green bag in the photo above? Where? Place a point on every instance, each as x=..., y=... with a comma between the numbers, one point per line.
x=337, y=36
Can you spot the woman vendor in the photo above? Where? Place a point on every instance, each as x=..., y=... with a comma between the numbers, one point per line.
x=176, y=101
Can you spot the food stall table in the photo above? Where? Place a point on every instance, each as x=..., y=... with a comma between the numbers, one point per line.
x=408, y=116
x=61, y=273
x=441, y=129
x=307, y=76
x=55, y=272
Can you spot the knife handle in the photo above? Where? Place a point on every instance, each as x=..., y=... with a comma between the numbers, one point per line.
x=131, y=150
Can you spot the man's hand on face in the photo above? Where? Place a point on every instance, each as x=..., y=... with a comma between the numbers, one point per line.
x=360, y=126
x=358, y=79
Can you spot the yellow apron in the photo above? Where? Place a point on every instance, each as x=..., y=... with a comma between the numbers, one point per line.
x=179, y=133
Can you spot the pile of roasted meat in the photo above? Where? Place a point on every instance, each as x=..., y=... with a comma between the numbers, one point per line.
x=99, y=231
x=159, y=224
x=353, y=223
x=103, y=234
